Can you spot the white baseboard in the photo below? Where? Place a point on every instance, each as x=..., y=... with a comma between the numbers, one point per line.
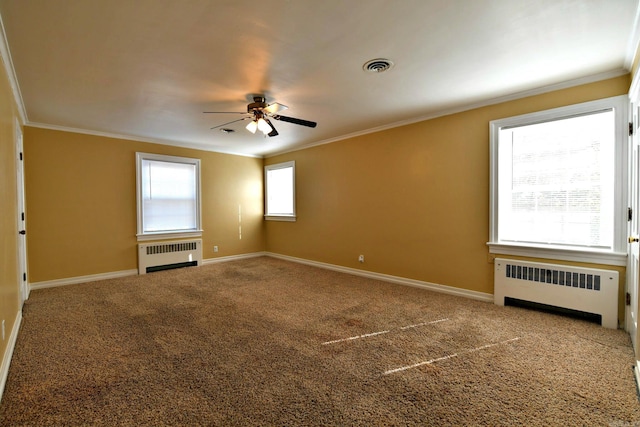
x=8, y=354
x=124, y=273
x=82, y=279
x=232, y=258
x=480, y=296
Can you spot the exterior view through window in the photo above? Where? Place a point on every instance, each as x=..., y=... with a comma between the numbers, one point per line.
x=558, y=180
x=280, y=191
x=556, y=183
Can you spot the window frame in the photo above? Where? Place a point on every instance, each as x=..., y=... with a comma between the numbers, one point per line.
x=141, y=235
x=279, y=217
x=615, y=256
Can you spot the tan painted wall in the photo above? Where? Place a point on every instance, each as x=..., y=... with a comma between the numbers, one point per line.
x=414, y=200
x=81, y=199
x=9, y=284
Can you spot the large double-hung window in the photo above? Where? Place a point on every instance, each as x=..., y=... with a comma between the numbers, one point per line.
x=168, y=196
x=558, y=183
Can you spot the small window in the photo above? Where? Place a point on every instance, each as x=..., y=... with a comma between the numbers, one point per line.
x=280, y=191
x=558, y=182
x=168, y=196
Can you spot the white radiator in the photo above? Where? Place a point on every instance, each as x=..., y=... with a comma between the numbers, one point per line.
x=161, y=255
x=575, y=288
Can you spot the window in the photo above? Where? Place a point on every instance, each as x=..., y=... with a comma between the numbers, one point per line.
x=280, y=191
x=558, y=183
x=168, y=196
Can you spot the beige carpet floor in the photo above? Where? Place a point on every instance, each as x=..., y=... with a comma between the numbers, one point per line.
x=265, y=342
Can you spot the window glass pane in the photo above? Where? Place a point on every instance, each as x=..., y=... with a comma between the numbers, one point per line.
x=169, y=196
x=556, y=182
x=280, y=191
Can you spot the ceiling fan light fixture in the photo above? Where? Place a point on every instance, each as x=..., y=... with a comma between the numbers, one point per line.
x=252, y=126
x=263, y=126
x=259, y=114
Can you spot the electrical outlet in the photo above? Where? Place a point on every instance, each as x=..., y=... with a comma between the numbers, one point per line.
x=361, y=258
x=215, y=249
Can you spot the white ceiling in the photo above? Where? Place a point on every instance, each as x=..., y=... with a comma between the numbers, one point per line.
x=147, y=69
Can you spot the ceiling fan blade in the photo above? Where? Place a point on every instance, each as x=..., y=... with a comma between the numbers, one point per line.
x=273, y=132
x=224, y=112
x=274, y=108
x=233, y=121
x=295, y=121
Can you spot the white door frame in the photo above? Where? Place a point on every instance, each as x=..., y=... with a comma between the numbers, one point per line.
x=22, y=224
x=633, y=251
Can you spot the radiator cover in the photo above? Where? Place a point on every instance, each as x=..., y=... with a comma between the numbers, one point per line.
x=171, y=253
x=575, y=288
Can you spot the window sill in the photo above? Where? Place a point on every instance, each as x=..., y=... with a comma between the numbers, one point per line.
x=594, y=257
x=164, y=235
x=287, y=218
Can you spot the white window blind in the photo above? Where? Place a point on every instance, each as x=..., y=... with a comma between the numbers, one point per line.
x=556, y=184
x=168, y=195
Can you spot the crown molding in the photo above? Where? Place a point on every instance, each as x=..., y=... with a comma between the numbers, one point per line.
x=634, y=40
x=5, y=54
x=434, y=115
x=134, y=138
x=467, y=107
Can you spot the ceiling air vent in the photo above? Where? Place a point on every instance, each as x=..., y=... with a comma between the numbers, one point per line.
x=377, y=65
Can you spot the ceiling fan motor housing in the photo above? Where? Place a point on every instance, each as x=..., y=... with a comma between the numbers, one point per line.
x=257, y=104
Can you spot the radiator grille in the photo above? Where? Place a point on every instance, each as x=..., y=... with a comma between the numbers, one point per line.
x=171, y=247
x=171, y=254
x=554, y=277
x=580, y=289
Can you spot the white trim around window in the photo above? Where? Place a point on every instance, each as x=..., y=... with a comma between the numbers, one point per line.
x=615, y=253
x=178, y=194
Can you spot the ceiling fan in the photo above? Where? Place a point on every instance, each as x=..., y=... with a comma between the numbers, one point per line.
x=260, y=112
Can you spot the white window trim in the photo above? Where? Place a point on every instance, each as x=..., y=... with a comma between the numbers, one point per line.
x=289, y=218
x=142, y=236
x=616, y=256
